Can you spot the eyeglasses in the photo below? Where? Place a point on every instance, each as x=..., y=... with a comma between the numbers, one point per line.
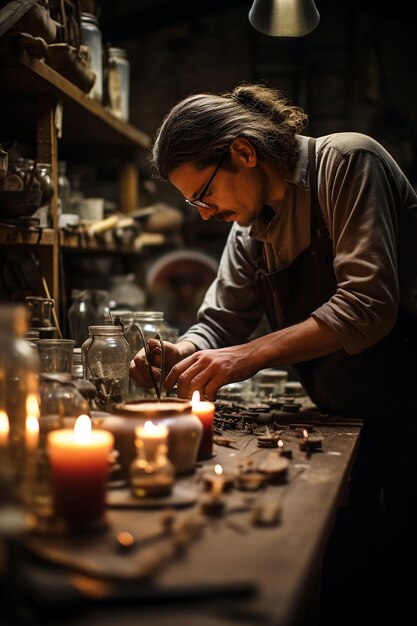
x=198, y=202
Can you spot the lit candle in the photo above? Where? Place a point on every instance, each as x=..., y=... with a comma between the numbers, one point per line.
x=217, y=481
x=32, y=432
x=32, y=422
x=213, y=503
x=151, y=474
x=205, y=413
x=310, y=442
x=283, y=451
x=80, y=465
x=152, y=436
x=4, y=429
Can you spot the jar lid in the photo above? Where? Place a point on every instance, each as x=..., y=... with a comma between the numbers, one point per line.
x=117, y=52
x=153, y=410
x=89, y=18
x=148, y=315
x=108, y=330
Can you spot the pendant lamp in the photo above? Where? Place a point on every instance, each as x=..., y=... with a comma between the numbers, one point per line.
x=284, y=18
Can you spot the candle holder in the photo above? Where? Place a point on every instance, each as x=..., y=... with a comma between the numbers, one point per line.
x=212, y=505
x=151, y=473
x=283, y=450
x=310, y=443
x=220, y=482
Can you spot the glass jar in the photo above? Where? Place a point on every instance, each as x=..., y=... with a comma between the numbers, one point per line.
x=77, y=364
x=151, y=323
x=118, y=81
x=19, y=390
x=61, y=404
x=55, y=355
x=91, y=37
x=64, y=188
x=106, y=358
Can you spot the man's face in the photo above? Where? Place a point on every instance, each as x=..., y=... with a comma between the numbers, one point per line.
x=234, y=194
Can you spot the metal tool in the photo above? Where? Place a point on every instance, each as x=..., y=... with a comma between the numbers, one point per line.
x=156, y=384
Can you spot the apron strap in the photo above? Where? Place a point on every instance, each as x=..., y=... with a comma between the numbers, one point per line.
x=317, y=223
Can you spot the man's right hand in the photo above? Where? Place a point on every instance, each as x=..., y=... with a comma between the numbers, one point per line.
x=174, y=352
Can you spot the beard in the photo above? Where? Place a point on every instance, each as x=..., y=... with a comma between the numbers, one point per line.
x=244, y=220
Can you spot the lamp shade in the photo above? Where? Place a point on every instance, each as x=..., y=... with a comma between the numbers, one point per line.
x=284, y=18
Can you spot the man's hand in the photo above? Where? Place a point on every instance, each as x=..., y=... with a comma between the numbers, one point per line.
x=174, y=352
x=208, y=370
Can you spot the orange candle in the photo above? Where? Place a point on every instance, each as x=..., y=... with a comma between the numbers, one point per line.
x=205, y=412
x=80, y=463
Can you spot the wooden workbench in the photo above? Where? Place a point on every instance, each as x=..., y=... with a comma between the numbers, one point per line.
x=232, y=573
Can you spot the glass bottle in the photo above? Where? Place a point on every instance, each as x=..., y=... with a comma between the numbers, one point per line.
x=40, y=313
x=106, y=358
x=91, y=37
x=44, y=176
x=151, y=473
x=64, y=188
x=19, y=390
x=81, y=315
x=118, y=77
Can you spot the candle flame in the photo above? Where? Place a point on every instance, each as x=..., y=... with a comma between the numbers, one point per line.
x=305, y=433
x=32, y=406
x=195, y=398
x=32, y=426
x=82, y=430
x=151, y=429
x=4, y=424
x=218, y=469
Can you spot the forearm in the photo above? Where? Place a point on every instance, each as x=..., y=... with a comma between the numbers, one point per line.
x=301, y=342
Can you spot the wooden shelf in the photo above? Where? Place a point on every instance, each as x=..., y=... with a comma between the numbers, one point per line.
x=13, y=235
x=85, y=121
x=82, y=241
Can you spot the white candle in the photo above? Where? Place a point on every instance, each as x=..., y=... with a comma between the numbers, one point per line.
x=152, y=436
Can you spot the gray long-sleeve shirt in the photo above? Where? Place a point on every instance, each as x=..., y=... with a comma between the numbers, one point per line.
x=370, y=210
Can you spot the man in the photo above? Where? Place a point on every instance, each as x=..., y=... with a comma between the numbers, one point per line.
x=324, y=242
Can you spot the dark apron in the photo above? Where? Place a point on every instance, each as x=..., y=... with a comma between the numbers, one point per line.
x=381, y=382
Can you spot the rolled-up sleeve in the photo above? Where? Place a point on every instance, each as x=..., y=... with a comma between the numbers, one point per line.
x=232, y=306
x=360, y=199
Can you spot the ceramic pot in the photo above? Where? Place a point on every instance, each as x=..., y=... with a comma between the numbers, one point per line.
x=184, y=430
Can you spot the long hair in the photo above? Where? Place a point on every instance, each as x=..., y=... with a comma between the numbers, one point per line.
x=200, y=128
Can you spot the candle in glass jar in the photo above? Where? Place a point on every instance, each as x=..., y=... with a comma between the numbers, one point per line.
x=80, y=464
x=205, y=412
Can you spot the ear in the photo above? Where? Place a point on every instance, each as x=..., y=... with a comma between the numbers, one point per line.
x=243, y=152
